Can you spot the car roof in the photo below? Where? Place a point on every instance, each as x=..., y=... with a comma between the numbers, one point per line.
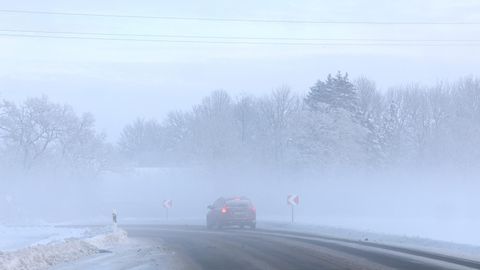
x=243, y=198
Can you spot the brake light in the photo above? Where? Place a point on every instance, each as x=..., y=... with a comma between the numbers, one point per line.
x=254, y=209
x=224, y=210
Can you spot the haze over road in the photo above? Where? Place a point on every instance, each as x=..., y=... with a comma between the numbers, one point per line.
x=197, y=248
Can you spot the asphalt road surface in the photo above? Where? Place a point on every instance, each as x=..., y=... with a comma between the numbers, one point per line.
x=197, y=248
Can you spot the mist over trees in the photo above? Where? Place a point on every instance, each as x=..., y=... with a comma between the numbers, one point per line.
x=338, y=123
x=41, y=134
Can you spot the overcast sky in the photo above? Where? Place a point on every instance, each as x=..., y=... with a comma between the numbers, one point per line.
x=120, y=80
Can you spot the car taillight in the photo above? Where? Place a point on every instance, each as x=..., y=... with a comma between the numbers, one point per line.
x=254, y=209
x=224, y=210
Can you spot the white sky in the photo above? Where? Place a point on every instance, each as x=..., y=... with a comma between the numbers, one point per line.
x=119, y=81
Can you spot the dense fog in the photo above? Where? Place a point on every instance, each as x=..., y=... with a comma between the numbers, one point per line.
x=402, y=160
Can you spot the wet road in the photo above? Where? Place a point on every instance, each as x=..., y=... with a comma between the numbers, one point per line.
x=197, y=248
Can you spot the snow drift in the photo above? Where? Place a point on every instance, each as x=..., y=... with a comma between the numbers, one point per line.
x=43, y=256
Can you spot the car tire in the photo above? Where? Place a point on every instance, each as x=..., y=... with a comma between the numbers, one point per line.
x=209, y=224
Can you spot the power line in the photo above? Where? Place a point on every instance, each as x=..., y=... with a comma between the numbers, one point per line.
x=238, y=42
x=233, y=37
x=244, y=20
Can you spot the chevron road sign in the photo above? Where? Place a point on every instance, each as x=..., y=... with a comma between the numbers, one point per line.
x=293, y=199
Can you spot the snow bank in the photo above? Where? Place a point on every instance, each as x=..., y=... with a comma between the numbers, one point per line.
x=43, y=256
x=108, y=240
x=46, y=255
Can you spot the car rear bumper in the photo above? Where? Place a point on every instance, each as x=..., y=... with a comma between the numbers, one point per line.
x=248, y=221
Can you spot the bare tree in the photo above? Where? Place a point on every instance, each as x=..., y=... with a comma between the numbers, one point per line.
x=142, y=141
x=278, y=111
x=213, y=128
x=41, y=132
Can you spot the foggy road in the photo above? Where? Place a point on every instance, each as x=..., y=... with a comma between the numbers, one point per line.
x=197, y=248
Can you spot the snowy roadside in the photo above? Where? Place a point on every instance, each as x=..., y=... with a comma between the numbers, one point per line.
x=443, y=247
x=137, y=254
x=17, y=237
x=409, y=239
x=43, y=254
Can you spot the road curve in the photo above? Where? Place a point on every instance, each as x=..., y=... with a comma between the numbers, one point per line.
x=198, y=248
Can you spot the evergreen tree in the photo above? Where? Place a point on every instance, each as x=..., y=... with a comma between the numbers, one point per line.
x=336, y=92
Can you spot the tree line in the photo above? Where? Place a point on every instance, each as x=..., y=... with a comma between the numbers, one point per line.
x=338, y=123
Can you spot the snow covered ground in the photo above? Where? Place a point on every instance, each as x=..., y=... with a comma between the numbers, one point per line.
x=419, y=243
x=69, y=248
x=35, y=248
x=135, y=254
x=17, y=237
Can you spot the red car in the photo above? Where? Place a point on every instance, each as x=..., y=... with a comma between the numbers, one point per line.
x=236, y=211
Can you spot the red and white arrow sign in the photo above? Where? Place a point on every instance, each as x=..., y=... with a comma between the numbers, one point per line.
x=167, y=203
x=293, y=199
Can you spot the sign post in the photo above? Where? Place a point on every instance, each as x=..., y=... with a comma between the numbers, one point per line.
x=293, y=200
x=167, y=204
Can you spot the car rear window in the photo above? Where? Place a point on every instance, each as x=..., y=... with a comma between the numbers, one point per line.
x=238, y=203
